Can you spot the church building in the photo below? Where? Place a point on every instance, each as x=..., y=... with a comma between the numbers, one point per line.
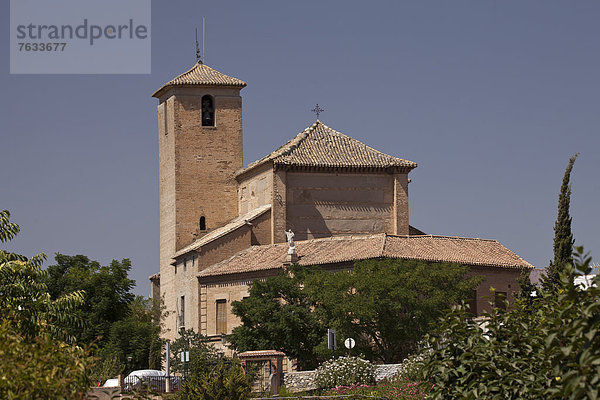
x=223, y=226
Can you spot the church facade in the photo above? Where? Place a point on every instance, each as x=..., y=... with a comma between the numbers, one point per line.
x=223, y=226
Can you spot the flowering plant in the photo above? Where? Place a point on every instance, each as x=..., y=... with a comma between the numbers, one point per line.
x=344, y=371
x=395, y=388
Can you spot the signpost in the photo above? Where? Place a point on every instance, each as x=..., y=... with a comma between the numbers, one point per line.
x=331, y=340
x=168, y=381
x=185, y=359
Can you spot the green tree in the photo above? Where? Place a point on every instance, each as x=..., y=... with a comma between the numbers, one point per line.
x=278, y=315
x=8, y=230
x=388, y=305
x=563, y=236
x=198, y=346
x=124, y=328
x=36, y=363
x=24, y=296
x=106, y=293
x=547, y=349
x=135, y=336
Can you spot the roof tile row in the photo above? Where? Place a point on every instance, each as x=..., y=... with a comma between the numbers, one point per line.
x=347, y=248
x=320, y=146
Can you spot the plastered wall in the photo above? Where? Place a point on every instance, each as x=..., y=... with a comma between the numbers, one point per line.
x=255, y=189
x=331, y=204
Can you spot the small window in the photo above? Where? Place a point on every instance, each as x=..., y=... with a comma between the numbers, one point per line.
x=208, y=111
x=473, y=303
x=202, y=223
x=500, y=300
x=182, y=312
x=184, y=264
x=221, y=316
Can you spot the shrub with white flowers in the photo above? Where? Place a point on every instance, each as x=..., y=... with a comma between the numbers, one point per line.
x=344, y=371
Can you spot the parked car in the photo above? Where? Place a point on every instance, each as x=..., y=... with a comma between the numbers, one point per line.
x=113, y=382
x=151, y=379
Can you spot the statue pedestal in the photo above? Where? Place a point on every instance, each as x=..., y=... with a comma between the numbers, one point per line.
x=290, y=259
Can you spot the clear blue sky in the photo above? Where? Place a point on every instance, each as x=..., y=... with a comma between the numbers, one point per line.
x=489, y=98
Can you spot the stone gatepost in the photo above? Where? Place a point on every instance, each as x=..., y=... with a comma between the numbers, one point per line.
x=270, y=368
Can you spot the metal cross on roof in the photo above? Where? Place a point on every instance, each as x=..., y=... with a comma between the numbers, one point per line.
x=317, y=110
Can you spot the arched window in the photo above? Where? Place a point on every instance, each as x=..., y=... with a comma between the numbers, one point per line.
x=202, y=223
x=208, y=111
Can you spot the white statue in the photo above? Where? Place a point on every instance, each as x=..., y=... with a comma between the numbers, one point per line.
x=290, y=238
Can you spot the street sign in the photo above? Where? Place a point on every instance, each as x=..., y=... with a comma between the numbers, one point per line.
x=331, y=342
x=349, y=343
x=185, y=356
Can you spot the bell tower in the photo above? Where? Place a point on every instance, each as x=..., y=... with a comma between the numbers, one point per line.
x=200, y=149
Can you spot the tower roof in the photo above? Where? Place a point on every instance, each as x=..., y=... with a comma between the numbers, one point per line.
x=201, y=75
x=320, y=146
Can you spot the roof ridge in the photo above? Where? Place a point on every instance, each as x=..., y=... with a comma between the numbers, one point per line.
x=295, y=141
x=383, y=243
x=297, y=151
x=361, y=143
x=201, y=74
x=286, y=147
x=443, y=237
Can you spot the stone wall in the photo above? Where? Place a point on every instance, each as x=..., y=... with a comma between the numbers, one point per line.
x=386, y=371
x=304, y=381
x=301, y=381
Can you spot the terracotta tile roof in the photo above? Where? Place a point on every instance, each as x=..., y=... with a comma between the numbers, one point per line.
x=320, y=146
x=453, y=249
x=224, y=230
x=261, y=353
x=347, y=248
x=201, y=75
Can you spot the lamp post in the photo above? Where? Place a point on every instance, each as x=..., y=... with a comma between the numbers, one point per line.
x=129, y=369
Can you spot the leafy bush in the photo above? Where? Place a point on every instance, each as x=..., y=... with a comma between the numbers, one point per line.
x=545, y=347
x=41, y=367
x=396, y=388
x=216, y=379
x=344, y=371
x=411, y=368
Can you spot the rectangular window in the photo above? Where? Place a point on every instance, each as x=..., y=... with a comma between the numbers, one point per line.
x=184, y=264
x=473, y=303
x=500, y=300
x=182, y=312
x=221, y=316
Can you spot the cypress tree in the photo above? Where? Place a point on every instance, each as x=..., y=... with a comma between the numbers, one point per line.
x=563, y=237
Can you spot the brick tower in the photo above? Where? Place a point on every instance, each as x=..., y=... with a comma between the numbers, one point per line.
x=200, y=149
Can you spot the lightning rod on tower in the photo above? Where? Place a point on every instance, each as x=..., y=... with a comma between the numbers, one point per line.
x=197, y=48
